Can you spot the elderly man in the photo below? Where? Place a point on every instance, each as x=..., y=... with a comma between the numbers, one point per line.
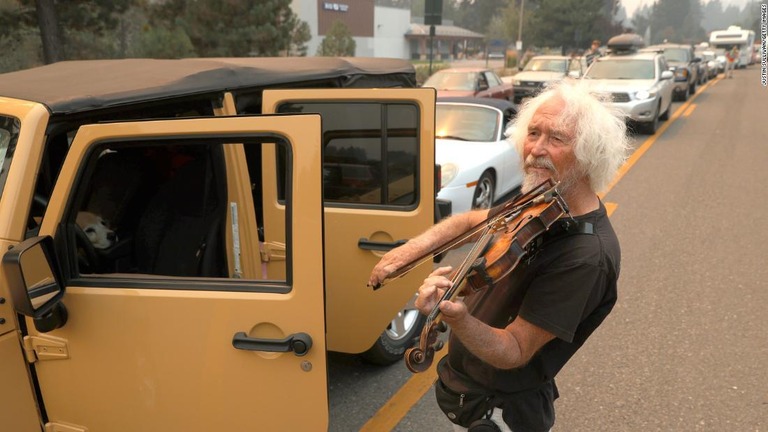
x=508, y=342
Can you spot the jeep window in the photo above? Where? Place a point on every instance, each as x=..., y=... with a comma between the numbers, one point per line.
x=9, y=133
x=370, y=152
x=622, y=69
x=155, y=209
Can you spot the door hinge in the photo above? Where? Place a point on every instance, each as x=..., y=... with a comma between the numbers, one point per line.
x=272, y=251
x=64, y=427
x=45, y=347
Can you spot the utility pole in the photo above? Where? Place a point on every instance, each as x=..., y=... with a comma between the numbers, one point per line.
x=433, y=15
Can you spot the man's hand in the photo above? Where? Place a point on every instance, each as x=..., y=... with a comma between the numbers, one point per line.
x=390, y=262
x=433, y=289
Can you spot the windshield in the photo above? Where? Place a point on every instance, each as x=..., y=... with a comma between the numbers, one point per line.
x=443, y=80
x=622, y=69
x=676, y=54
x=548, y=65
x=9, y=133
x=466, y=122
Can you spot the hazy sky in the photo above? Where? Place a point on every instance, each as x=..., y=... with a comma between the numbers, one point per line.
x=631, y=5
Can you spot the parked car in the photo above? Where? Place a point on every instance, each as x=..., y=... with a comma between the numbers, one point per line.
x=684, y=65
x=640, y=84
x=540, y=71
x=720, y=59
x=708, y=58
x=478, y=164
x=475, y=82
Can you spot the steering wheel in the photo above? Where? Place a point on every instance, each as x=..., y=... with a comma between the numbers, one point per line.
x=87, y=259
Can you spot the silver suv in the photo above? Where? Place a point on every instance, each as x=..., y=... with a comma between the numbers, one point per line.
x=640, y=85
x=684, y=65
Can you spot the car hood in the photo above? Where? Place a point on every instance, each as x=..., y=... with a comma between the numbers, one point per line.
x=538, y=76
x=615, y=85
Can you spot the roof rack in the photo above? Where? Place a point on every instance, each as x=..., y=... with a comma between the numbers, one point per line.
x=626, y=43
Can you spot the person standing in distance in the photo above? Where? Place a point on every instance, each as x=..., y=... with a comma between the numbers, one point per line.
x=510, y=341
x=593, y=52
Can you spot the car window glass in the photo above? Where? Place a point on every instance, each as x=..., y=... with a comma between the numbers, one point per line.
x=622, y=69
x=677, y=54
x=370, y=151
x=493, y=80
x=9, y=133
x=466, y=123
x=158, y=209
x=448, y=80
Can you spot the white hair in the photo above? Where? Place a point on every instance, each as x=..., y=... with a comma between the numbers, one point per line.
x=600, y=141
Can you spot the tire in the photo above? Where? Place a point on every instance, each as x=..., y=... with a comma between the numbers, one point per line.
x=665, y=115
x=400, y=335
x=692, y=89
x=484, y=191
x=682, y=96
x=650, y=128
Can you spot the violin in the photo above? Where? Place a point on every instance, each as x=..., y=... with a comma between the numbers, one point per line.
x=504, y=240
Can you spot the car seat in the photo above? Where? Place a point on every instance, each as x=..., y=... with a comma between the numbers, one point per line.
x=181, y=232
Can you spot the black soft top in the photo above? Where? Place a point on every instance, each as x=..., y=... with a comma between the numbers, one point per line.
x=85, y=85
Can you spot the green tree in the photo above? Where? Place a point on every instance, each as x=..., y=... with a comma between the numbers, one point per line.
x=235, y=28
x=476, y=15
x=677, y=21
x=570, y=24
x=338, y=42
x=301, y=35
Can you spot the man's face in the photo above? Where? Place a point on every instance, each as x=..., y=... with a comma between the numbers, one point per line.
x=548, y=149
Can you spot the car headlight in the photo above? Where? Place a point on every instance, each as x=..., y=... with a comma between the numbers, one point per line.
x=516, y=82
x=681, y=73
x=448, y=172
x=644, y=94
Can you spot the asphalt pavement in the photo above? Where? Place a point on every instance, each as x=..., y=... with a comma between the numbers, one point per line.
x=686, y=348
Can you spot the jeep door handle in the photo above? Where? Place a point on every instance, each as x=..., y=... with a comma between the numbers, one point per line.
x=366, y=244
x=299, y=343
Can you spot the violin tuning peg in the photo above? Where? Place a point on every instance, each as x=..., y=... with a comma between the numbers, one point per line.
x=442, y=327
x=439, y=345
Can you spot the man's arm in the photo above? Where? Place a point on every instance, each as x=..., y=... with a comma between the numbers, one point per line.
x=506, y=348
x=430, y=239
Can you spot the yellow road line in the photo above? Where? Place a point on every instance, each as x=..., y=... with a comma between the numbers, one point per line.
x=390, y=414
x=397, y=407
x=689, y=110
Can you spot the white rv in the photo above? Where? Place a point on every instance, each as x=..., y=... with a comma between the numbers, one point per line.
x=735, y=35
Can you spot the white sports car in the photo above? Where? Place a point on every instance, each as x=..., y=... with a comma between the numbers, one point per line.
x=478, y=164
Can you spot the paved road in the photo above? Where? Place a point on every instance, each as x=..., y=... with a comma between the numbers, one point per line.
x=686, y=348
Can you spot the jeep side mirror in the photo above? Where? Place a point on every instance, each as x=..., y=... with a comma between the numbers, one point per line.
x=34, y=282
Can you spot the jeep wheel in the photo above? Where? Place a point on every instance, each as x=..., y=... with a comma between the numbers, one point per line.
x=400, y=335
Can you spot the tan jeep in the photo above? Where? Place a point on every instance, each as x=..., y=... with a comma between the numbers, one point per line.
x=179, y=261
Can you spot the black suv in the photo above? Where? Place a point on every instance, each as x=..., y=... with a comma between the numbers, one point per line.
x=683, y=63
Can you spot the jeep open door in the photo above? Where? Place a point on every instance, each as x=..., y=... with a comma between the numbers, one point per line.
x=379, y=191
x=163, y=331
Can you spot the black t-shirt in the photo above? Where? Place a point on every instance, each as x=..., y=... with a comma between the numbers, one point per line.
x=567, y=286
